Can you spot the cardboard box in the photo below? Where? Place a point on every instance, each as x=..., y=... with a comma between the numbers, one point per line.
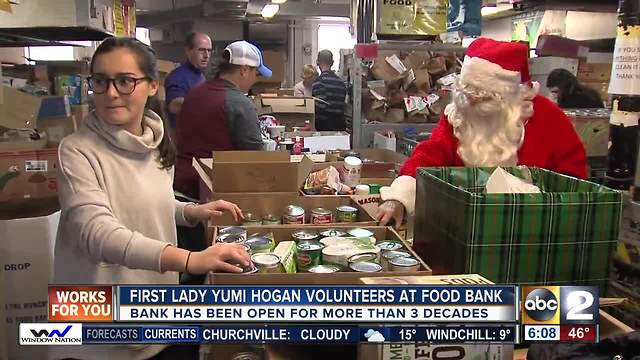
x=380, y=141
x=289, y=110
x=275, y=60
x=56, y=128
x=257, y=171
x=376, y=163
x=28, y=174
x=19, y=110
x=26, y=257
x=381, y=70
x=283, y=233
x=323, y=140
x=594, y=133
x=553, y=45
x=165, y=66
x=545, y=65
x=261, y=204
x=594, y=72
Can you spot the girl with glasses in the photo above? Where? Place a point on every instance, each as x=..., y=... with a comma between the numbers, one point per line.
x=119, y=215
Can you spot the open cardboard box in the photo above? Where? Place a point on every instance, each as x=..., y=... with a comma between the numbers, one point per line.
x=261, y=204
x=289, y=110
x=283, y=233
x=253, y=171
x=376, y=163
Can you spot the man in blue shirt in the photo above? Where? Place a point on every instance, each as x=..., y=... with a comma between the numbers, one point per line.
x=198, y=49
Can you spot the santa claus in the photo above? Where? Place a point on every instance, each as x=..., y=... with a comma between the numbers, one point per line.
x=496, y=118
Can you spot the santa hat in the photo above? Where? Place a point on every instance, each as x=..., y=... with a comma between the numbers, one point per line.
x=489, y=63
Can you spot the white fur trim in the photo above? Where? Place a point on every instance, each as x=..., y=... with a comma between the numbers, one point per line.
x=403, y=189
x=484, y=74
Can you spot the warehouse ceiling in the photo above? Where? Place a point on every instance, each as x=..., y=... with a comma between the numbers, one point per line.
x=152, y=13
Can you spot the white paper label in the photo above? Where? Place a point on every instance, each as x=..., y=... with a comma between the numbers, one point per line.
x=35, y=166
x=432, y=98
x=448, y=79
x=395, y=63
x=625, y=72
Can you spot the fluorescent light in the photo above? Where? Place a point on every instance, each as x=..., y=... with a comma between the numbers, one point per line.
x=269, y=10
x=278, y=1
x=488, y=10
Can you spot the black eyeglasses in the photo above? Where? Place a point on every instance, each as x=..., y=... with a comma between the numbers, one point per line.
x=124, y=85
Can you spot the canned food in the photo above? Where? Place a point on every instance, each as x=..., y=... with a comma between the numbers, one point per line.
x=365, y=266
x=246, y=247
x=337, y=254
x=266, y=262
x=403, y=264
x=324, y=269
x=251, y=269
x=309, y=254
x=258, y=243
x=239, y=235
x=359, y=232
x=293, y=214
x=364, y=257
x=332, y=233
x=386, y=256
x=389, y=245
x=321, y=216
x=347, y=213
x=250, y=220
x=304, y=235
x=230, y=239
x=374, y=189
x=327, y=190
x=270, y=219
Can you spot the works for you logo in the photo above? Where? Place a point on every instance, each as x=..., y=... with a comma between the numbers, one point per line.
x=50, y=334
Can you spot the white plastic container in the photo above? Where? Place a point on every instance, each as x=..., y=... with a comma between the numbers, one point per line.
x=351, y=171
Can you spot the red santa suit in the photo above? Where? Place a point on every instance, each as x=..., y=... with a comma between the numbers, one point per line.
x=550, y=142
x=549, y=139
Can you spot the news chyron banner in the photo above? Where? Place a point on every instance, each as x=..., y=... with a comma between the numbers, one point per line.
x=560, y=313
x=306, y=314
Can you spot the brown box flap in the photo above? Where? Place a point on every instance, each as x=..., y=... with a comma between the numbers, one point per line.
x=258, y=171
x=18, y=109
x=285, y=104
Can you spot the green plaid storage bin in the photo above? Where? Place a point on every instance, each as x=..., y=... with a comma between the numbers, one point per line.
x=562, y=236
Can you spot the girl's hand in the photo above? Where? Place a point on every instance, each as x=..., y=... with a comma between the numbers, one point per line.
x=390, y=210
x=215, y=208
x=218, y=258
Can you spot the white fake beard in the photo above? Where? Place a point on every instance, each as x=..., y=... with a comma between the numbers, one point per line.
x=489, y=126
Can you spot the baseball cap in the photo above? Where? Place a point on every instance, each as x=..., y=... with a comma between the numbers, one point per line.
x=244, y=53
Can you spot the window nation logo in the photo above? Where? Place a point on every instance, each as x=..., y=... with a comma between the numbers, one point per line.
x=50, y=334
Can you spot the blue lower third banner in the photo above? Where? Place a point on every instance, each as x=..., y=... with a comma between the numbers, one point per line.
x=301, y=334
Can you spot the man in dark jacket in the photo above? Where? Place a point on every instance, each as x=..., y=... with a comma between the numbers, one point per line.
x=330, y=91
x=217, y=115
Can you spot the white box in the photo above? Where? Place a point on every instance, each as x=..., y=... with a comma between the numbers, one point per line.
x=26, y=257
x=323, y=140
x=382, y=142
x=545, y=64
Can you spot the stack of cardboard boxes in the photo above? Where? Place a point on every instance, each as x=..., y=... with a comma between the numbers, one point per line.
x=31, y=128
x=411, y=87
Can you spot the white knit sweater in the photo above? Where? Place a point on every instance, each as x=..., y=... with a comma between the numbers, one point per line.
x=118, y=215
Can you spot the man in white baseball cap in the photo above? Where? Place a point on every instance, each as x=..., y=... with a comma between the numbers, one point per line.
x=217, y=114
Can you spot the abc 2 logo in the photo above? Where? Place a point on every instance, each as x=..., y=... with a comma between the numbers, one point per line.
x=555, y=305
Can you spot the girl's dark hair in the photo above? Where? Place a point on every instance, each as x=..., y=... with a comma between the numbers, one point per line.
x=146, y=58
x=569, y=86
